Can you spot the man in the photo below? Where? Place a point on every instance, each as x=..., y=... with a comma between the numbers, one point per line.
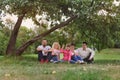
x=44, y=54
x=86, y=53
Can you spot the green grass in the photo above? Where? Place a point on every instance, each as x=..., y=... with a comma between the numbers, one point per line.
x=106, y=67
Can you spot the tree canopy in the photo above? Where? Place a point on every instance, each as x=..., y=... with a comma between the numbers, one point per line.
x=94, y=21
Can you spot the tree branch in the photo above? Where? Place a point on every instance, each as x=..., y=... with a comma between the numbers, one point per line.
x=92, y=3
x=28, y=43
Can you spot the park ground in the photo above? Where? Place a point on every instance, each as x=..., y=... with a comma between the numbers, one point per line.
x=106, y=67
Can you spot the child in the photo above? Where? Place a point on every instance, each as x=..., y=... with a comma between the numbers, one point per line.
x=67, y=53
x=55, y=52
x=74, y=57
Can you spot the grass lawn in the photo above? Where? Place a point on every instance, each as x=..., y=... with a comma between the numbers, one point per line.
x=106, y=67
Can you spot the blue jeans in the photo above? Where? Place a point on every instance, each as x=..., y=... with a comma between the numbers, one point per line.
x=54, y=58
x=76, y=58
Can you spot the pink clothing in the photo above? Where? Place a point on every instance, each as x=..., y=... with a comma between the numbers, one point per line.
x=55, y=52
x=66, y=54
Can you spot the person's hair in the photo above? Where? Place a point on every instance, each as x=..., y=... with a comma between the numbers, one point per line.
x=72, y=44
x=44, y=39
x=85, y=43
x=68, y=45
x=55, y=44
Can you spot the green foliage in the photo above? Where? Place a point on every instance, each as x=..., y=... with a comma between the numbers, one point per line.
x=54, y=9
x=3, y=39
x=24, y=35
x=3, y=42
x=100, y=30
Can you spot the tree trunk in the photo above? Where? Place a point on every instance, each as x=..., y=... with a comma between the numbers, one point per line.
x=12, y=41
x=25, y=45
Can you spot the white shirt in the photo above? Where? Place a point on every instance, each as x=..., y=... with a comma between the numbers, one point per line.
x=85, y=53
x=44, y=48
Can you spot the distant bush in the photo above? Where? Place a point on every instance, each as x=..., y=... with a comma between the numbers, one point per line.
x=117, y=45
x=3, y=43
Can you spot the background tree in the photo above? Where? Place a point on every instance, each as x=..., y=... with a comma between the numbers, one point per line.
x=89, y=24
x=30, y=8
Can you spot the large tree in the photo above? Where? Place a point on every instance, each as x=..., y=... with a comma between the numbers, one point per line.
x=29, y=9
x=55, y=11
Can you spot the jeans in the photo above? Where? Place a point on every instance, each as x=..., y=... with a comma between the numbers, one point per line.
x=42, y=57
x=54, y=58
x=76, y=58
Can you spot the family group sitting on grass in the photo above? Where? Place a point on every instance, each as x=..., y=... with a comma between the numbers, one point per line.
x=81, y=55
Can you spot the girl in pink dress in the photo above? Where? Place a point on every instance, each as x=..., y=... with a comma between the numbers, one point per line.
x=67, y=53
